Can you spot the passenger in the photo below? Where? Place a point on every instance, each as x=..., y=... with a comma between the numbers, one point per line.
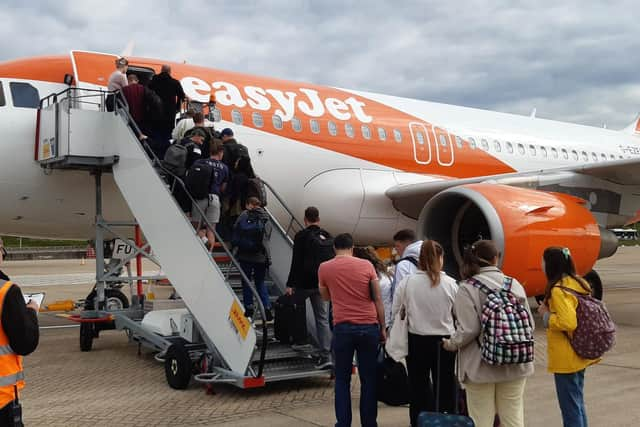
x=408, y=249
x=140, y=101
x=490, y=389
x=251, y=233
x=233, y=150
x=171, y=94
x=384, y=277
x=19, y=336
x=239, y=189
x=559, y=317
x=351, y=284
x=217, y=183
x=311, y=247
x=117, y=81
x=427, y=297
x=196, y=119
x=194, y=145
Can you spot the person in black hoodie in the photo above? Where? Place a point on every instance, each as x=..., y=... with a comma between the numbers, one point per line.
x=20, y=325
x=233, y=150
x=170, y=92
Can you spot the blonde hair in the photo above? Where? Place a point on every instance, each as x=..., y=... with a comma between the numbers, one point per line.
x=429, y=260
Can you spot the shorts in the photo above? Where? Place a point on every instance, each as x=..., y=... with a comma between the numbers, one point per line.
x=210, y=207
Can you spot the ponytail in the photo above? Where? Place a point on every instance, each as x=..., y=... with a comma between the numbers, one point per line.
x=429, y=261
x=478, y=255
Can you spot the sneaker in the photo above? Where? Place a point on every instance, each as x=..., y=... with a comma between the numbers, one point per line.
x=301, y=347
x=324, y=363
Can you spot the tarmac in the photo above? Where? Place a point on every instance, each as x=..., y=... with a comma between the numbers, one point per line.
x=113, y=385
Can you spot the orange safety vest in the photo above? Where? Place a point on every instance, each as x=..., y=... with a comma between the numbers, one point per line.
x=11, y=373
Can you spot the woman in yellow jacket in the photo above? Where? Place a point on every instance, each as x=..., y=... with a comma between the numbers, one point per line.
x=559, y=317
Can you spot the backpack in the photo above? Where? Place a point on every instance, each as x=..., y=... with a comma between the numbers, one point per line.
x=319, y=249
x=232, y=152
x=248, y=232
x=596, y=332
x=256, y=188
x=411, y=259
x=507, y=332
x=198, y=179
x=175, y=158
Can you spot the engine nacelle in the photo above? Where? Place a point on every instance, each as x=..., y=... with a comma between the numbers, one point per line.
x=522, y=223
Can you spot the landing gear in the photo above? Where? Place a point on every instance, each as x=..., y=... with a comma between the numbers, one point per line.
x=178, y=366
x=87, y=333
x=115, y=300
x=594, y=281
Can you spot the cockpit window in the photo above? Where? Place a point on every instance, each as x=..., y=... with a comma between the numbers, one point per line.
x=24, y=95
x=2, y=101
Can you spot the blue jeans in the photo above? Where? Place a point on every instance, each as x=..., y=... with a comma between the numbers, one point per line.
x=258, y=270
x=363, y=340
x=570, y=391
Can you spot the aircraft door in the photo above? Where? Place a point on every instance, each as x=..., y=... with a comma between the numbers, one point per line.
x=91, y=70
x=444, y=147
x=421, y=143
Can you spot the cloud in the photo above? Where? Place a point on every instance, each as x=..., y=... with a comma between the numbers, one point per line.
x=573, y=61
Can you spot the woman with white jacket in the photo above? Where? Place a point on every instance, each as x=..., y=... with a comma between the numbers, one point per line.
x=427, y=297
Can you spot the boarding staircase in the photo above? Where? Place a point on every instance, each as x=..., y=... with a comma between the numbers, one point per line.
x=75, y=132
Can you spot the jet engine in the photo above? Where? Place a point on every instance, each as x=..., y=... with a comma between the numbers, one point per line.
x=522, y=222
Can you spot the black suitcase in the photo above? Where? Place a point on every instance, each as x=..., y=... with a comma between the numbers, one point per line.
x=290, y=325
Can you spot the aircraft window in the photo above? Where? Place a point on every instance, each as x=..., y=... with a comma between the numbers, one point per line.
x=420, y=137
x=554, y=152
x=2, y=101
x=397, y=135
x=585, y=156
x=24, y=95
x=366, y=132
x=277, y=121
x=348, y=129
x=612, y=156
x=257, y=119
x=543, y=151
x=521, y=149
x=574, y=154
x=296, y=124
x=459, y=142
x=604, y=157
x=217, y=115
x=509, y=147
x=532, y=150
x=621, y=157
x=236, y=116
x=497, y=146
x=382, y=134
x=443, y=140
x=472, y=143
x=485, y=145
x=315, y=126
x=594, y=156
x=333, y=129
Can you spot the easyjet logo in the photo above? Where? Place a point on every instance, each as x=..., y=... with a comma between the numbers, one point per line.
x=288, y=103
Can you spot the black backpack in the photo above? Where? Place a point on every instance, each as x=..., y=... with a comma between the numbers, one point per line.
x=232, y=152
x=198, y=180
x=319, y=249
x=256, y=188
x=248, y=233
x=175, y=158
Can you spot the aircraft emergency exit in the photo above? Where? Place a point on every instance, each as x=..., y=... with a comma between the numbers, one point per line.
x=371, y=163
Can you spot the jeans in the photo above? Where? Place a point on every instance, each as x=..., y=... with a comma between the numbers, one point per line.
x=363, y=340
x=258, y=270
x=570, y=391
x=321, y=316
x=422, y=369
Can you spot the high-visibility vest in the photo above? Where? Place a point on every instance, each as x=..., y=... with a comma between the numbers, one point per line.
x=11, y=373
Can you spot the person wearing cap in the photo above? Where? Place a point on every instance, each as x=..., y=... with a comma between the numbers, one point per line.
x=19, y=336
x=117, y=81
x=233, y=150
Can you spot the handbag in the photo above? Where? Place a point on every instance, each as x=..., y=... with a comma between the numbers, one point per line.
x=392, y=382
x=397, y=345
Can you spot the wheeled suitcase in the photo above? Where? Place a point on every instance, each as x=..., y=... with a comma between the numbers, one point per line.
x=290, y=323
x=433, y=419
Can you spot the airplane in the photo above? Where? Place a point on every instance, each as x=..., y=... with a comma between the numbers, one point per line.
x=371, y=163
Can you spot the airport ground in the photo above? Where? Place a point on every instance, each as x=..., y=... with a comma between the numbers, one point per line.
x=114, y=386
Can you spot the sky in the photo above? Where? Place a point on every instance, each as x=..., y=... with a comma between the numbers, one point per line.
x=572, y=61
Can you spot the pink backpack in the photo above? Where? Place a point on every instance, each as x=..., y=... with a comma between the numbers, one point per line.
x=596, y=332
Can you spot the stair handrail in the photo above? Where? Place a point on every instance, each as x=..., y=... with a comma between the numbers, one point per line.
x=121, y=108
x=293, y=221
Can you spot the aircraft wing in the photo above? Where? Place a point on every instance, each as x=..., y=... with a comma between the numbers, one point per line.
x=410, y=198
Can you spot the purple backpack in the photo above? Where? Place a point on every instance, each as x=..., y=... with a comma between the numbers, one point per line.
x=596, y=332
